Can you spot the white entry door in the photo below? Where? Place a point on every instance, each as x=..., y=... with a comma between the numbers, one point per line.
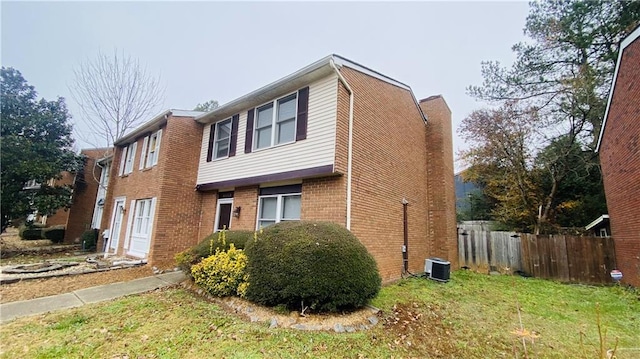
x=141, y=227
x=116, y=224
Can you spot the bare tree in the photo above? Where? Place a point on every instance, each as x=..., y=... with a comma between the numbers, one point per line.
x=115, y=94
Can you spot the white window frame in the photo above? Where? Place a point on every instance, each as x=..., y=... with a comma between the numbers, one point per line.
x=127, y=158
x=274, y=122
x=279, y=208
x=141, y=227
x=149, y=155
x=217, y=139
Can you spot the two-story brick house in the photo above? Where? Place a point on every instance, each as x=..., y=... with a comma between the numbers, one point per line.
x=334, y=141
x=151, y=209
x=619, y=150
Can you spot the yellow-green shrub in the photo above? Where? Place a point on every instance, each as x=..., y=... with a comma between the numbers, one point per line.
x=223, y=273
x=208, y=246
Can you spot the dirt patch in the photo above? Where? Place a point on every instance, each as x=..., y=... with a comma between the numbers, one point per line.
x=13, y=249
x=421, y=328
x=36, y=288
x=362, y=319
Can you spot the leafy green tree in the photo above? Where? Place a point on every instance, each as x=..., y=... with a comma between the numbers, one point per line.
x=562, y=77
x=207, y=106
x=36, y=145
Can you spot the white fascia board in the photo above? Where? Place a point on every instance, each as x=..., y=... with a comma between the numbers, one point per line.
x=154, y=124
x=286, y=84
x=597, y=221
x=294, y=81
x=623, y=45
x=341, y=61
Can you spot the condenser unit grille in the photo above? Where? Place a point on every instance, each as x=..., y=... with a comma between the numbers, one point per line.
x=438, y=269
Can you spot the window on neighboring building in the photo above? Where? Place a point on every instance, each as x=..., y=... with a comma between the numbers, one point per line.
x=31, y=184
x=277, y=126
x=153, y=149
x=142, y=218
x=126, y=159
x=222, y=139
x=277, y=204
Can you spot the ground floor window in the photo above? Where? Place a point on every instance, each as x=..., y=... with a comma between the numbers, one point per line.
x=277, y=204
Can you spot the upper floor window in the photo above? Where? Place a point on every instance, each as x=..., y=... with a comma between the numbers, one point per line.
x=126, y=159
x=276, y=122
x=222, y=139
x=150, y=150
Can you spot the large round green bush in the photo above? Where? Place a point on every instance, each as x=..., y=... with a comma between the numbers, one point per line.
x=320, y=265
x=208, y=246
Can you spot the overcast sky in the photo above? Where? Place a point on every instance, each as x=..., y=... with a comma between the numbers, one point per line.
x=223, y=50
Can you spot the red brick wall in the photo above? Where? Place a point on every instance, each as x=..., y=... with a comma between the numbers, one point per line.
x=324, y=199
x=61, y=217
x=172, y=182
x=244, y=197
x=389, y=164
x=84, y=197
x=620, y=160
x=135, y=185
x=178, y=207
x=441, y=196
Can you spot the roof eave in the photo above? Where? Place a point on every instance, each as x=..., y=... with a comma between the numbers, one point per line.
x=635, y=34
x=316, y=70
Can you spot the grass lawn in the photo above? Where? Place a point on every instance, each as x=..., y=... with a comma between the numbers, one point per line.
x=473, y=316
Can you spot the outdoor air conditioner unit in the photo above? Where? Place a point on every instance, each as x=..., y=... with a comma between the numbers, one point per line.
x=437, y=269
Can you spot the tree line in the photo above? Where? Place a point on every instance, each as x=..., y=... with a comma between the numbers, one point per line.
x=532, y=149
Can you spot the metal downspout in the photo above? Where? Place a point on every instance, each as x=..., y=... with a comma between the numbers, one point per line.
x=350, y=144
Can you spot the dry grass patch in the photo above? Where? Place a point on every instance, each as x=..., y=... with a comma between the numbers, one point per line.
x=473, y=316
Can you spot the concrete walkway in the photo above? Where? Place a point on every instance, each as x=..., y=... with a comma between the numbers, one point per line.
x=12, y=310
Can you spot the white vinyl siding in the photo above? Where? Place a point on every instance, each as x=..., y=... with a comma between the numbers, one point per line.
x=318, y=149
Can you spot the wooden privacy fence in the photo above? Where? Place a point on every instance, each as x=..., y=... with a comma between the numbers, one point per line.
x=565, y=258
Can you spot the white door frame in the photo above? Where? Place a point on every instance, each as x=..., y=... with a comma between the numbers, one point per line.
x=117, y=215
x=223, y=201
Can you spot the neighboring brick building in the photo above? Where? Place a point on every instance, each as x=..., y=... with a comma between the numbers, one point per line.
x=619, y=149
x=339, y=142
x=151, y=209
x=77, y=218
x=334, y=141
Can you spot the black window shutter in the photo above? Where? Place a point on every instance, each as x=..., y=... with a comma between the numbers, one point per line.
x=303, y=107
x=248, y=140
x=234, y=135
x=212, y=138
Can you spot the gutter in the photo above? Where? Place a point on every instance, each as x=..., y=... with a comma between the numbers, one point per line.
x=350, y=144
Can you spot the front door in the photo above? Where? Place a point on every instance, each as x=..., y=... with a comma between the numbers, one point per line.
x=116, y=224
x=223, y=214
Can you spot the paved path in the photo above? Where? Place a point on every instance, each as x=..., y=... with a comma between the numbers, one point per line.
x=12, y=310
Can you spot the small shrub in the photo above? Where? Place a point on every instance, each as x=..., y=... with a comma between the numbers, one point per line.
x=319, y=265
x=31, y=231
x=89, y=238
x=222, y=273
x=186, y=259
x=55, y=233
